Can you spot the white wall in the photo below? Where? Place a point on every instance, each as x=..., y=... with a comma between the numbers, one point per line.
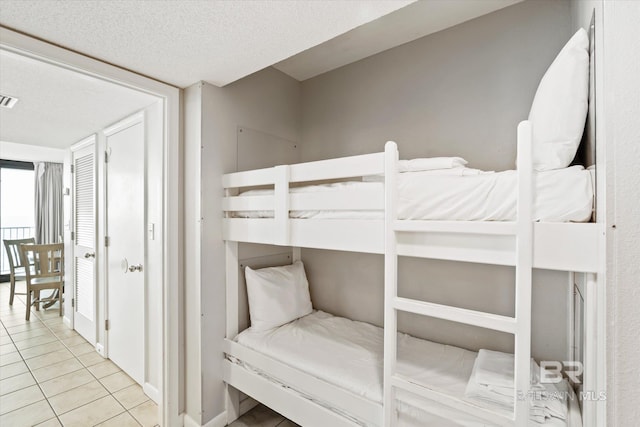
x=154, y=134
x=622, y=135
x=618, y=133
x=30, y=153
x=461, y=91
x=192, y=253
x=268, y=101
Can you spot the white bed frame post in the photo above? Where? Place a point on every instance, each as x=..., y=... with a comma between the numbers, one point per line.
x=524, y=266
x=592, y=361
x=390, y=280
x=232, y=320
x=282, y=202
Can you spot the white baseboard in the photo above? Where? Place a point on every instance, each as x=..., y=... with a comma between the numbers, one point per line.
x=67, y=321
x=219, y=421
x=100, y=350
x=153, y=393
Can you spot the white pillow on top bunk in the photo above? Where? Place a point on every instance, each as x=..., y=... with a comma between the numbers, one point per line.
x=560, y=106
x=277, y=295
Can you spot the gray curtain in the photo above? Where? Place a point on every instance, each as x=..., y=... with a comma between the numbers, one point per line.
x=48, y=203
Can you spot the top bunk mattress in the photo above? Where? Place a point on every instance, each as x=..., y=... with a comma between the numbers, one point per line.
x=349, y=354
x=461, y=194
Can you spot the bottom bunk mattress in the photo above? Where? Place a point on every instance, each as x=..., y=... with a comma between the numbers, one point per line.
x=349, y=354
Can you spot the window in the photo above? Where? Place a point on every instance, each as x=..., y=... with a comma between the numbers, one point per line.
x=16, y=205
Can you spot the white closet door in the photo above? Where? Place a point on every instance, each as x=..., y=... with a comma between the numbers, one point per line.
x=84, y=227
x=126, y=251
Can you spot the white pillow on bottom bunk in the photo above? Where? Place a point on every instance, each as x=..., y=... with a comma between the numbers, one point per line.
x=277, y=295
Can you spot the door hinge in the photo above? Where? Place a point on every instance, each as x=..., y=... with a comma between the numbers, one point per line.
x=107, y=241
x=73, y=235
x=106, y=156
x=73, y=302
x=106, y=325
x=72, y=169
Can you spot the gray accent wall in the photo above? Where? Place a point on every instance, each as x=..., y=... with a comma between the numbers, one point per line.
x=459, y=92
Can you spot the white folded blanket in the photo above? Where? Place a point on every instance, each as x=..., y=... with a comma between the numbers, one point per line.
x=491, y=383
x=435, y=165
x=457, y=171
x=495, y=368
x=431, y=163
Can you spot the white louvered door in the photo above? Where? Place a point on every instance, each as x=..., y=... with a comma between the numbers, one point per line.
x=84, y=228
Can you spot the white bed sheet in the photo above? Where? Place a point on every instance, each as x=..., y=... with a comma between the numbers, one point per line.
x=349, y=354
x=563, y=195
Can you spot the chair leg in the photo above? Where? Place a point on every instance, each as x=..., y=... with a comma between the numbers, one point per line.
x=37, y=293
x=12, y=279
x=60, y=300
x=28, y=303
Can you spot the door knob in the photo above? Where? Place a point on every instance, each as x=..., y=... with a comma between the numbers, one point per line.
x=133, y=268
x=90, y=255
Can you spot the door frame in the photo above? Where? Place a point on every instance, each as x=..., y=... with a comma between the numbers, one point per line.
x=172, y=270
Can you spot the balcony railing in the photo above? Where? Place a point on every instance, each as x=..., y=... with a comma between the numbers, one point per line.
x=10, y=233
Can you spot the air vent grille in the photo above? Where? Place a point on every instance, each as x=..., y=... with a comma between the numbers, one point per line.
x=7, y=101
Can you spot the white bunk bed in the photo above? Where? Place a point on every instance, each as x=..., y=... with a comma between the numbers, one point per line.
x=310, y=397
x=523, y=244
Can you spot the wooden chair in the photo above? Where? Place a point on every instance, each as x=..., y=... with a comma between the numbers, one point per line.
x=47, y=272
x=15, y=263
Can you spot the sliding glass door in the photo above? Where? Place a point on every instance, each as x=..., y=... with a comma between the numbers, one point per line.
x=16, y=205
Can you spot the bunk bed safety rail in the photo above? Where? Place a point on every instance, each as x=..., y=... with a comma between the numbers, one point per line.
x=343, y=167
x=343, y=400
x=276, y=228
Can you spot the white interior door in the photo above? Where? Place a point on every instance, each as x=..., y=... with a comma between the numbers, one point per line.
x=84, y=228
x=126, y=250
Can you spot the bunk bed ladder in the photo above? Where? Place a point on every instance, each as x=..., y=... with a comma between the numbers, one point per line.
x=519, y=326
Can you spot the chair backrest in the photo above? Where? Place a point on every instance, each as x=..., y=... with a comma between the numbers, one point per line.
x=46, y=260
x=13, y=251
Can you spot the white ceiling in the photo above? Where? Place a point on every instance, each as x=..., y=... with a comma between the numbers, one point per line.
x=183, y=42
x=58, y=107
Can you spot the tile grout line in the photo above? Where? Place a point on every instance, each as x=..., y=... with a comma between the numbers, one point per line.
x=68, y=348
x=33, y=376
x=38, y=382
x=109, y=393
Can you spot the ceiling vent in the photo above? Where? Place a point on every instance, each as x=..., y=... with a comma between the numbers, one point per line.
x=7, y=101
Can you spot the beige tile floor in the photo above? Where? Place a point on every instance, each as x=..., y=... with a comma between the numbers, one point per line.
x=50, y=376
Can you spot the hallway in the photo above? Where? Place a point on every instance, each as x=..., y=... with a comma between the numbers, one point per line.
x=51, y=376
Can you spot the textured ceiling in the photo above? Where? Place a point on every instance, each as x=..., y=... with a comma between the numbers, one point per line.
x=183, y=42
x=58, y=107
